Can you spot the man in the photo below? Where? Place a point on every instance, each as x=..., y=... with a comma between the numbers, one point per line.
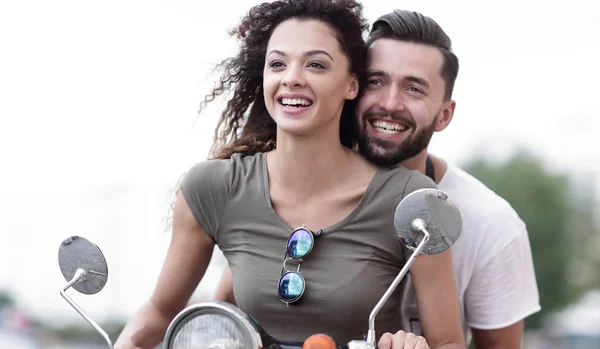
x=411, y=74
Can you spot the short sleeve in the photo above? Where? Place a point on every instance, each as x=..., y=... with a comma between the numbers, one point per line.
x=206, y=188
x=504, y=290
x=417, y=181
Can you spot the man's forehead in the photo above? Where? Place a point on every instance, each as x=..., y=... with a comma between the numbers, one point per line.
x=400, y=58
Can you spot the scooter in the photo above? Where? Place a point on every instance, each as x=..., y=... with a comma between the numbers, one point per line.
x=426, y=221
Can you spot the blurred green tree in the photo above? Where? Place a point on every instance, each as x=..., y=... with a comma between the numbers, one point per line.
x=6, y=299
x=558, y=220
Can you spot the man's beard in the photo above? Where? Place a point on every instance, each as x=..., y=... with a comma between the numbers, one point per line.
x=387, y=153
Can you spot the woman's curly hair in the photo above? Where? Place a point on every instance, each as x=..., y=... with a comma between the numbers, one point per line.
x=255, y=131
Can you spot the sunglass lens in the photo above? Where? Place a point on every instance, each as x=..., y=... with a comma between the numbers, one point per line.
x=291, y=287
x=300, y=243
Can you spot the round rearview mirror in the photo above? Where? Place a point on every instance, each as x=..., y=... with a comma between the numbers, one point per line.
x=440, y=214
x=75, y=253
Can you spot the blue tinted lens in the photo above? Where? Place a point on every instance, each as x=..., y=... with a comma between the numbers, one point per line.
x=291, y=287
x=300, y=243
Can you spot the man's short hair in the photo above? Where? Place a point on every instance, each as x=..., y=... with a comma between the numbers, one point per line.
x=414, y=27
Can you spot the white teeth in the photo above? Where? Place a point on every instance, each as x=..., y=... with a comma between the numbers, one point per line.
x=387, y=132
x=388, y=128
x=295, y=101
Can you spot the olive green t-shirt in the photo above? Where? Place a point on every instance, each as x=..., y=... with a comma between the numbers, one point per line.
x=350, y=267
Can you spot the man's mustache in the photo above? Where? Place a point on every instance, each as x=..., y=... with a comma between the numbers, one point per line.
x=403, y=117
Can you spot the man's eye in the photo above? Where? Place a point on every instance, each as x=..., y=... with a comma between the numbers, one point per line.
x=373, y=82
x=415, y=89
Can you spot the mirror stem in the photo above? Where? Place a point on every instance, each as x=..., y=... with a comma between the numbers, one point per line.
x=80, y=275
x=418, y=225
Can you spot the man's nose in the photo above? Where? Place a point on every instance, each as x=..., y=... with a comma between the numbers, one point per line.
x=392, y=100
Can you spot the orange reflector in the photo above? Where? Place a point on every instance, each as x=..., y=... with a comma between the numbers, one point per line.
x=319, y=341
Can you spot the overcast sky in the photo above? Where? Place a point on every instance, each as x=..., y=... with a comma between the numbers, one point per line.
x=98, y=118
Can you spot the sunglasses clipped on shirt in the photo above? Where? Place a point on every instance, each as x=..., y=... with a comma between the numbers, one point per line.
x=291, y=283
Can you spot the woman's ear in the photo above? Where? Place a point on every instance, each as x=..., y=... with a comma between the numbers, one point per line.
x=352, y=88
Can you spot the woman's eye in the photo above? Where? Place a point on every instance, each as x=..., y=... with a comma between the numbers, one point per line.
x=276, y=64
x=316, y=65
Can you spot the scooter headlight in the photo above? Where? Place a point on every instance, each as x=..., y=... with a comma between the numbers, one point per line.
x=212, y=325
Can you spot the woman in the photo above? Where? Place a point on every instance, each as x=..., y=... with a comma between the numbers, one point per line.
x=298, y=69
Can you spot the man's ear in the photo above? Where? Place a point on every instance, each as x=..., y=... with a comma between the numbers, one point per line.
x=446, y=115
x=352, y=88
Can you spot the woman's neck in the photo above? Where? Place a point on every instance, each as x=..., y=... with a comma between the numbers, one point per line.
x=308, y=165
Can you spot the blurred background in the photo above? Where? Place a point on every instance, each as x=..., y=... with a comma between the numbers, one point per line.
x=98, y=121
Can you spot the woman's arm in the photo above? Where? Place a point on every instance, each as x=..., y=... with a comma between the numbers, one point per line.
x=437, y=300
x=187, y=258
x=224, y=291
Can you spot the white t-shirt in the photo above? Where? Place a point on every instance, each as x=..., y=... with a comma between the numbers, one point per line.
x=491, y=260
